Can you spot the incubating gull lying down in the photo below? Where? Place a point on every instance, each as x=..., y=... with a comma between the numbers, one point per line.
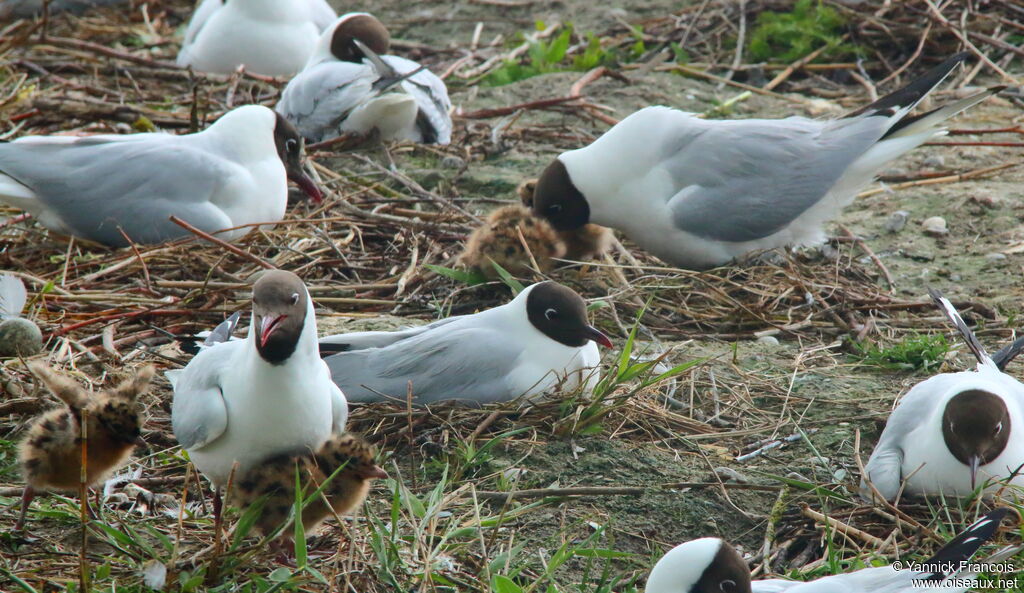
x=351, y=85
x=538, y=341
x=269, y=37
x=270, y=394
x=954, y=431
x=711, y=565
x=108, y=187
x=698, y=193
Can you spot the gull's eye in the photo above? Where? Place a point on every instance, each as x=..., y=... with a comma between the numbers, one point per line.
x=550, y=314
x=554, y=209
x=999, y=428
x=295, y=299
x=291, y=145
x=727, y=585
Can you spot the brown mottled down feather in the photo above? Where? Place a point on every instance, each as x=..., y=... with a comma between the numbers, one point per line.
x=498, y=240
x=587, y=242
x=275, y=479
x=50, y=453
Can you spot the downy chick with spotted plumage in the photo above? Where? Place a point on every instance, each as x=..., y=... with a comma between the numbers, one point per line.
x=51, y=452
x=587, y=242
x=498, y=240
x=347, y=454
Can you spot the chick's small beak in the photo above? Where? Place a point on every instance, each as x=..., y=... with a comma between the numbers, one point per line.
x=376, y=472
x=592, y=333
x=268, y=324
x=305, y=183
x=974, y=462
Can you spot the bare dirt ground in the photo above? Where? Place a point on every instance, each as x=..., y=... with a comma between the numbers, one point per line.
x=441, y=523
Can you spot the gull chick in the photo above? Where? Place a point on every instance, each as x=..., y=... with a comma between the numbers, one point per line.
x=955, y=430
x=268, y=37
x=347, y=454
x=51, y=452
x=105, y=187
x=349, y=84
x=698, y=192
x=498, y=240
x=711, y=565
x=589, y=241
x=18, y=336
x=538, y=342
x=243, y=401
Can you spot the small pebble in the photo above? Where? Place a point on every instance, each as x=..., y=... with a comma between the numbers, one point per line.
x=935, y=226
x=728, y=474
x=19, y=337
x=452, y=162
x=896, y=221
x=771, y=341
x=995, y=256
x=934, y=162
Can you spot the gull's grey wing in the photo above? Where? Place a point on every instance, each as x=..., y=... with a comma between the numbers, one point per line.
x=319, y=98
x=375, y=339
x=199, y=414
x=463, y=363
x=772, y=586
x=885, y=466
x=742, y=180
x=431, y=95
x=1007, y=353
x=223, y=331
x=12, y=296
x=95, y=185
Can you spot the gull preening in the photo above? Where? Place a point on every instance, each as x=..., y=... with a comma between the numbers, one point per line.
x=350, y=84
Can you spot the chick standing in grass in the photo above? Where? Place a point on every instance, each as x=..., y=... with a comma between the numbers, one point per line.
x=51, y=452
x=498, y=240
x=587, y=242
x=348, y=454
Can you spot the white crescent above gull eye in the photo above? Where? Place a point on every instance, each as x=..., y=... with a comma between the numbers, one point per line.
x=551, y=313
x=295, y=298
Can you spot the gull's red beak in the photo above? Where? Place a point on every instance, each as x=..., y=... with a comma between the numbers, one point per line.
x=267, y=326
x=308, y=187
x=592, y=333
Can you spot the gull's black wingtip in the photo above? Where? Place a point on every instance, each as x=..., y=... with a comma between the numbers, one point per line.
x=966, y=543
x=915, y=91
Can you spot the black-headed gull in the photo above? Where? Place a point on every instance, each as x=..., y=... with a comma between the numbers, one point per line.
x=537, y=342
x=269, y=37
x=105, y=187
x=698, y=192
x=711, y=565
x=349, y=85
x=953, y=431
x=247, y=400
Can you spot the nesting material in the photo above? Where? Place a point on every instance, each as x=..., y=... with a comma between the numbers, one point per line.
x=587, y=242
x=275, y=479
x=51, y=452
x=509, y=237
